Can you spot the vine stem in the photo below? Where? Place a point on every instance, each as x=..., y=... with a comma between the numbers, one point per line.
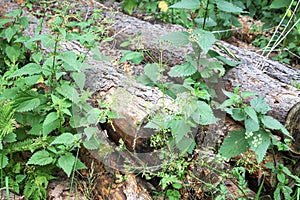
x=205, y=15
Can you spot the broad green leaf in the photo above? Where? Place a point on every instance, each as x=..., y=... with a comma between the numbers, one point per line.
x=228, y=62
x=251, y=125
x=28, y=104
x=29, y=69
x=234, y=144
x=90, y=131
x=47, y=40
x=3, y=161
x=271, y=123
x=93, y=143
x=182, y=70
x=228, y=7
x=152, y=71
x=261, y=149
x=4, y=21
x=65, y=138
x=205, y=39
x=206, y=114
x=238, y=114
x=208, y=23
x=177, y=39
x=66, y=162
x=227, y=103
x=79, y=165
x=179, y=129
x=69, y=92
x=40, y=158
x=251, y=113
x=276, y=4
x=79, y=78
x=247, y=94
x=10, y=137
x=187, y=4
x=145, y=80
x=260, y=105
x=134, y=57
x=186, y=145
x=51, y=117
x=12, y=53
x=71, y=62
x=10, y=32
x=33, y=79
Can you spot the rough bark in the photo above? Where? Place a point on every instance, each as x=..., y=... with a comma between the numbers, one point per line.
x=136, y=102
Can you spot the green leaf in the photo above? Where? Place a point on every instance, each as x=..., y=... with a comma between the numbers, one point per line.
x=3, y=161
x=10, y=32
x=260, y=105
x=29, y=69
x=134, y=57
x=70, y=60
x=50, y=123
x=251, y=125
x=228, y=62
x=238, y=114
x=12, y=53
x=51, y=117
x=186, y=145
x=177, y=39
x=262, y=148
x=93, y=143
x=79, y=165
x=251, y=113
x=234, y=144
x=276, y=4
x=205, y=39
x=98, y=56
x=66, y=162
x=145, y=80
x=79, y=78
x=4, y=21
x=28, y=104
x=152, y=71
x=182, y=70
x=271, y=123
x=69, y=92
x=247, y=94
x=40, y=158
x=228, y=7
x=179, y=129
x=187, y=4
x=209, y=22
x=206, y=114
x=65, y=138
x=90, y=131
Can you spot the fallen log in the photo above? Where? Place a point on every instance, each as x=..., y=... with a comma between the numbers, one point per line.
x=136, y=102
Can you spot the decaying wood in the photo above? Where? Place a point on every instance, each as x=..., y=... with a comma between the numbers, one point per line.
x=135, y=102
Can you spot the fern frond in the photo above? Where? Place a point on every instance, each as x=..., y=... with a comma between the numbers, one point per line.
x=6, y=119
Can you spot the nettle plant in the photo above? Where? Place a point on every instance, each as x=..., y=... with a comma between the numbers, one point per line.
x=257, y=135
x=40, y=86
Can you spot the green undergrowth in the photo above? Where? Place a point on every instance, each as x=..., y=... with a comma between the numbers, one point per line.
x=280, y=18
x=41, y=93
x=46, y=114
